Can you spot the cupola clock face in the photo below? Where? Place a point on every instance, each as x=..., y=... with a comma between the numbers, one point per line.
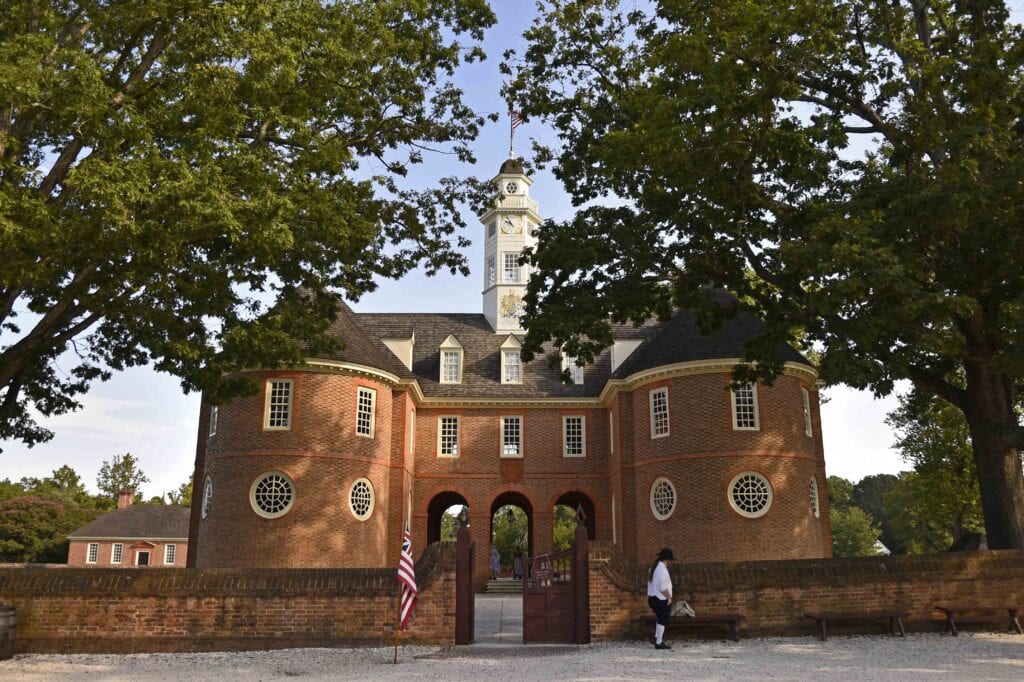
x=510, y=225
x=512, y=188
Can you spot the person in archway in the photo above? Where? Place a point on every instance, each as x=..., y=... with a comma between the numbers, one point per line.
x=517, y=566
x=659, y=595
x=495, y=562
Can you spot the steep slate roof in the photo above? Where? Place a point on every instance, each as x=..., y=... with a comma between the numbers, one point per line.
x=663, y=343
x=138, y=521
x=359, y=348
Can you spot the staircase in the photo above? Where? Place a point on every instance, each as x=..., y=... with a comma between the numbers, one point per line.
x=504, y=587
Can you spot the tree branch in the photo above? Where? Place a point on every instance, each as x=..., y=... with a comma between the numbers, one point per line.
x=937, y=386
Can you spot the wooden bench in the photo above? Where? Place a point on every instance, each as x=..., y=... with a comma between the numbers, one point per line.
x=895, y=619
x=950, y=612
x=733, y=620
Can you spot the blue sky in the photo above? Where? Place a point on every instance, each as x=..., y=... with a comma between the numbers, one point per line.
x=146, y=413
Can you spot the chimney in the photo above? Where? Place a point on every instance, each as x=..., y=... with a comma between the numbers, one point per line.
x=125, y=498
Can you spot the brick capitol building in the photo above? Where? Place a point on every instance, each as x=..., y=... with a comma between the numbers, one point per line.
x=423, y=411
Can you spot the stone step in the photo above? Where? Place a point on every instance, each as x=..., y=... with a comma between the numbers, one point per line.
x=504, y=587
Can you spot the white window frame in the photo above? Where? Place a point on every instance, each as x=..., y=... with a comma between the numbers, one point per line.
x=440, y=433
x=503, y=451
x=288, y=406
x=575, y=371
x=565, y=435
x=735, y=409
x=372, y=501
x=148, y=553
x=815, y=497
x=506, y=268
x=445, y=377
x=252, y=494
x=611, y=432
x=117, y=553
x=207, y=497
x=214, y=412
x=742, y=512
x=675, y=499
x=170, y=554
x=492, y=272
x=412, y=431
x=511, y=373
x=655, y=419
x=806, y=397
x=368, y=412
x=92, y=553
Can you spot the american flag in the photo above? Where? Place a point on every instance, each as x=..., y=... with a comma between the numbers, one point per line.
x=517, y=119
x=407, y=576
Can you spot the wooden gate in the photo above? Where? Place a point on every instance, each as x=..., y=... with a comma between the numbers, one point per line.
x=465, y=555
x=556, y=599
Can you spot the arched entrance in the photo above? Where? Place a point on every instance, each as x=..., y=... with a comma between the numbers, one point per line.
x=511, y=529
x=438, y=527
x=564, y=517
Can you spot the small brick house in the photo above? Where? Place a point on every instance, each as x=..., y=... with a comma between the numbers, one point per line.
x=132, y=536
x=422, y=411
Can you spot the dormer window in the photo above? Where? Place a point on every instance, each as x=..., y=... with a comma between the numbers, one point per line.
x=451, y=361
x=575, y=371
x=511, y=362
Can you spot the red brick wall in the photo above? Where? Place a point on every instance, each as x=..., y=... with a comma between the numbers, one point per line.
x=122, y=611
x=774, y=595
x=78, y=553
x=323, y=456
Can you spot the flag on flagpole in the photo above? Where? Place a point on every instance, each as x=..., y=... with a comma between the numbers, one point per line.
x=407, y=576
x=517, y=119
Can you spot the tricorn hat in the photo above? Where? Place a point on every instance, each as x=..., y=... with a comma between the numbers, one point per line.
x=666, y=555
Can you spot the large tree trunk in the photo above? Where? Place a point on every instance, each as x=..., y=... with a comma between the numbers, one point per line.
x=992, y=421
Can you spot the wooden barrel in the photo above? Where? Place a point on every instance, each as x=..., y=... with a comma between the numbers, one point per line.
x=8, y=620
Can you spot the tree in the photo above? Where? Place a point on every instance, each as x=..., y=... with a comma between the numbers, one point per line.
x=35, y=529
x=852, y=532
x=940, y=502
x=449, y=527
x=167, y=168
x=121, y=473
x=564, y=526
x=729, y=135
x=183, y=495
x=869, y=494
x=840, y=492
x=508, y=537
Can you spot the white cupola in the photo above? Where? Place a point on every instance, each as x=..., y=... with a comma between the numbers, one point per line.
x=509, y=227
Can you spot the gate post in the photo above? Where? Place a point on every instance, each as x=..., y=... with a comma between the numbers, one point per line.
x=463, y=582
x=581, y=580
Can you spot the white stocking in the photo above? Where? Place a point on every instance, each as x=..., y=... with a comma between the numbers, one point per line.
x=659, y=632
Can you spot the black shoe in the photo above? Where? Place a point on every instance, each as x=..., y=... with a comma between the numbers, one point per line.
x=662, y=646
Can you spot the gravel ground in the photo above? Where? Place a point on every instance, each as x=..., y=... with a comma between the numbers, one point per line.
x=975, y=656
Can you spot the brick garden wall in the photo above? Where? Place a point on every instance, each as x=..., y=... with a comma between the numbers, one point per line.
x=124, y=611
x=775, y=594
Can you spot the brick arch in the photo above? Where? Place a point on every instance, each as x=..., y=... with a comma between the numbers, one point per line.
x=518, y=496
x=436, y=506
x=576, y=495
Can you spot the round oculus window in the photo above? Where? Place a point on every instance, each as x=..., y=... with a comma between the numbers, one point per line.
x=272, y=494
x=512, y=188
x=750, y=494
x=663, y=499
x=815, y=502
x=360, y=499
x=207, y=496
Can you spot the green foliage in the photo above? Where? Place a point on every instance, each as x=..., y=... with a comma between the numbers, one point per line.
x=840, y=492
x=870, y=494
x=449, y=527
x=564, y=526
x=852, y=532
x=183, y=495
x=167, y=168
x=34, y=529
x=512, y=537
x=939, y=502
x=726, y=134
x=121, y=473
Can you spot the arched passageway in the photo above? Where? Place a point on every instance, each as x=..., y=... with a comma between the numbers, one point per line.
x=436, y=524
x=564, y=515
x=511, y=529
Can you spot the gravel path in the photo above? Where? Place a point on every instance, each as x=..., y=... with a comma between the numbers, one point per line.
x=975, y=656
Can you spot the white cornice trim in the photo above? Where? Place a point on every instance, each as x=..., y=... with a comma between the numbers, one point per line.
x=353, y=367
x=119, y=538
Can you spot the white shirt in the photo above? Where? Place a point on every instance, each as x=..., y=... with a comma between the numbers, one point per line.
x=661, y=584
